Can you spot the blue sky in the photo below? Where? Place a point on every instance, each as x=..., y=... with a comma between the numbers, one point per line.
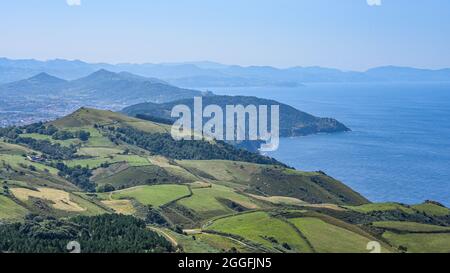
x=346, y=34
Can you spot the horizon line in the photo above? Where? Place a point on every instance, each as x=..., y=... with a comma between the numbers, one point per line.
x=219, y=63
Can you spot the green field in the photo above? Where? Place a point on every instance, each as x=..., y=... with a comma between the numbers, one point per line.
x=228, y=170
x=65, y=143
x=87, y=118
x=190, y=245
x=132, y=160
x=381, y=207
x=10, y=211
x=262, y=229
x=327, y=238
x=206, y=201
x=420, y=243
x=432, y=209
x=13, y=149
x=18, y=161
x=222, y=243
x=98, y=151
x=410, y=227
x=155, y=196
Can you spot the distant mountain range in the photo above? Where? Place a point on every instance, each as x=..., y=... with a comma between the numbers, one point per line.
x=210, y=74
x=103, y=86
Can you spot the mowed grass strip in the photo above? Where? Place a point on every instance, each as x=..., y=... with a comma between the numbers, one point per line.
x=98, y=151
x=261, y=228
x=432, y=209
x=327, y=238
x=410, y=227
x=10, y=211
x=205, y=201
x=132, y=160
x=381, y=207
x=155, y=196
x=420, y=243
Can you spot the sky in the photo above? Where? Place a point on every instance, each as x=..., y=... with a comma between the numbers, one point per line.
x=345, y=34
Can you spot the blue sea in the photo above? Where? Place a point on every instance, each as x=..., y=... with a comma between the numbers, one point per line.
x=399, y=147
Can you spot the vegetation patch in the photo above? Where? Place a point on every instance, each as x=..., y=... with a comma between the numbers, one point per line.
x=124, y=207
x=98, y=234
x=61, y=200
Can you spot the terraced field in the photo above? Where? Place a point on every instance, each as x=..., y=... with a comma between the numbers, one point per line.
x=262, y=229
x=132, y=160
x=61, y=200
x=209, y=202
x=327, y=238
x=155, y=196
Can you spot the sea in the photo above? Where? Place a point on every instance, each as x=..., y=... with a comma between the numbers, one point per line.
x=399, y=146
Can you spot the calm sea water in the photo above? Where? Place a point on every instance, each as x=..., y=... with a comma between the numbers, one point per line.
x=399, y=149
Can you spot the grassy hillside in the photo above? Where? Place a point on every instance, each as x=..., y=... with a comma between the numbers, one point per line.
x=201, y=196
x=262, y=229
x=155, y=196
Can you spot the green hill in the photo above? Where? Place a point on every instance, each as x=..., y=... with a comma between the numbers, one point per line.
x=293, y=122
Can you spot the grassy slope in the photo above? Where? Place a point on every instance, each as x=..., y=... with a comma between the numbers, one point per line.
x=410, y=227
x=420, y=243
x=276, y=181
x=86, y=117
x=155, y=196
x=432, y=209
x=10, y=211
x=367, y=208
x=327, y=238
x=258, y=227
x=206, y=201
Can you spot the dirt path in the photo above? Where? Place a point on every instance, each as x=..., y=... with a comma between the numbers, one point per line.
x=166, y=235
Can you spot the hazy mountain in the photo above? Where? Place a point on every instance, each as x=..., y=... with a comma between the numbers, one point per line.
x=41, y=84
x=105, y=86
x=126, y=88
x=209, y=74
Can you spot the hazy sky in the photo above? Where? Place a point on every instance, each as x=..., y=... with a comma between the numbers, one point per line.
x=347, y=34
